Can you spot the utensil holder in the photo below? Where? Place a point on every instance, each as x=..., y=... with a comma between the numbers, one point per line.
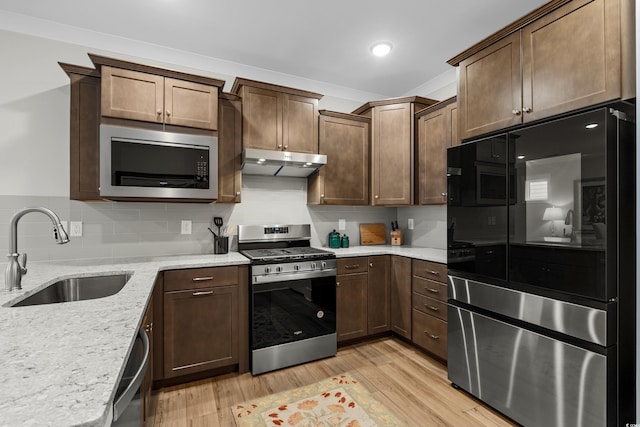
x=220, y=244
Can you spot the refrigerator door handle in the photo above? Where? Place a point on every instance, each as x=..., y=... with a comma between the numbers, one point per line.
x=121, y=402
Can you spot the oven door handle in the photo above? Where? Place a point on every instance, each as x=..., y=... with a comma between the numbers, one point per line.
x=282, y=277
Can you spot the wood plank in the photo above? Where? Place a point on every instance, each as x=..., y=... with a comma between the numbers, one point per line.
x=406, y=380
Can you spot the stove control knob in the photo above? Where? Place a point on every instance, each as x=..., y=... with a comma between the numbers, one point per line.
x=279, y=269
x=313, y=266
x=323, y=265
x=267, y=270
x=296, y=267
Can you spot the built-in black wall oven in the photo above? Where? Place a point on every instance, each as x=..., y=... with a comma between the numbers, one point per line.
x=292, y=296
x=542, y=269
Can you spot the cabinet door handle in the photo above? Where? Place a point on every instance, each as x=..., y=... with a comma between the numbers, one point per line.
x=338, y=284
x=516, y=112
x=202, y=279
x=279, y=145
x=197, y=294
x=435, y=273
x=435, y=337
x=168, y=113
x=444, y=194
x=376, y=196
x=371, y=264
x=159, y=112
x=286, y=146
x=432, y=290
x=237, y=193
x=526, y=109
x=352, y=266
x=430, y=307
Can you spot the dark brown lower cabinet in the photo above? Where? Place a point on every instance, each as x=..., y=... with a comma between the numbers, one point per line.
x=148, y=398
x=430, y=333
x=351, y=306
x=429, y=302
x=378, y=295
x=200, y=329
x=400, y=287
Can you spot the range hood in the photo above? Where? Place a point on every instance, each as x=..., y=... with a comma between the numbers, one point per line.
x=280, y=163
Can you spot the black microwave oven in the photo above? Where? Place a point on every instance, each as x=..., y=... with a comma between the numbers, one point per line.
x=147, y=164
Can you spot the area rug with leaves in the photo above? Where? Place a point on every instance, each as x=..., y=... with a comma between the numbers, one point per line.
x=340, y=401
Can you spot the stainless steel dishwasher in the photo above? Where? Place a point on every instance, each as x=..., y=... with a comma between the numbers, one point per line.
x=127, y=410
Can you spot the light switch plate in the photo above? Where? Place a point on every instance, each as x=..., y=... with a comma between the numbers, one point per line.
x=410, y=223
x=185, y=227
x=342, y=224
x=75, y=229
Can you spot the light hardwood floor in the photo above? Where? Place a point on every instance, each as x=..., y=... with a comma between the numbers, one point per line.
x=409, y=383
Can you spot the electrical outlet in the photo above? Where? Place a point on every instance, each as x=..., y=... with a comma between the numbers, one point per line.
x=342, y=224
x=185, y=227
x=410, y=223
x=75, y=228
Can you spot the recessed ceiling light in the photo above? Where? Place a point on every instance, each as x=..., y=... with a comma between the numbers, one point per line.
x=591, y=125
x=381, y=48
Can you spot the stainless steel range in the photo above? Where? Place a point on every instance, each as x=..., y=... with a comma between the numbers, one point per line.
x=293, y=296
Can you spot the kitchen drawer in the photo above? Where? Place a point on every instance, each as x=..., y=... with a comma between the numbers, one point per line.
x=430, y=306
x=429, y=288
x=430, y=270
x=198, y=278
x=352, y=265
x=430, y=333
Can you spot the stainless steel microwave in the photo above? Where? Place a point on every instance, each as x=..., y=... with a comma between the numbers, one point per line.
x=147, y=164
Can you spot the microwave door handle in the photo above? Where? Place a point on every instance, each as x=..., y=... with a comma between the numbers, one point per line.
x=121, y=402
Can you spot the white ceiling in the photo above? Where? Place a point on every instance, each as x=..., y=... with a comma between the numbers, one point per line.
x=326, y=41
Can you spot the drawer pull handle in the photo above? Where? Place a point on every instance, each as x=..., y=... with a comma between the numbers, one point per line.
x=430, y=307
x=197, y=294
x=435, y=337
x=435, y=273
x=433, y=291
x=349, y=267
x=202, y=279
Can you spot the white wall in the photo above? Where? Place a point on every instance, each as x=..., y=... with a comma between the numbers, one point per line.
x=34, y=158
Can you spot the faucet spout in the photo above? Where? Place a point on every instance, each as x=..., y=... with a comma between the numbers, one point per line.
x=16, y=269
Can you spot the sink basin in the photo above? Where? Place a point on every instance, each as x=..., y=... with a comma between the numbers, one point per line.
x=77, y=289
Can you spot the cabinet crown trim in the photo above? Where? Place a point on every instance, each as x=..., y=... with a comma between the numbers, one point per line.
x=348, y=116
x=78, y=69
x=239, y=82
x=436, y=107
x=390, y=101
x=509, y=29
x=99, y=61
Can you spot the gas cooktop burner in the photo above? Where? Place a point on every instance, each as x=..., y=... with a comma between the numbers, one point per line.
x=285, y=253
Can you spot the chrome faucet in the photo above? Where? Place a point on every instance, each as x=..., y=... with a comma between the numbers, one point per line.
x=15, y=269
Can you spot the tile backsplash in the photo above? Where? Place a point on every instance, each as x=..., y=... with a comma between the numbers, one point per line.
x=131, y=229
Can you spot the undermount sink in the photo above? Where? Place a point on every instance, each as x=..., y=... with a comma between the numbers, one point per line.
x=77, y=289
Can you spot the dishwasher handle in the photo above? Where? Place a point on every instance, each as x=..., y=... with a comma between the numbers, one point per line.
x=121, y=402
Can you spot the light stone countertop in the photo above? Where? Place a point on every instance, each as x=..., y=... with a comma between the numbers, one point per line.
x=427, y=254
x=60, y=363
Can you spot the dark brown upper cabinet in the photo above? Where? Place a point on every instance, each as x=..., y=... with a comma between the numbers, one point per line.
x=84, y=132
x=229, y=148
x=277, y=117
x=435, y=134
x=563, y=56
x=344, y=180
x=138, y=92
x=392, y=148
